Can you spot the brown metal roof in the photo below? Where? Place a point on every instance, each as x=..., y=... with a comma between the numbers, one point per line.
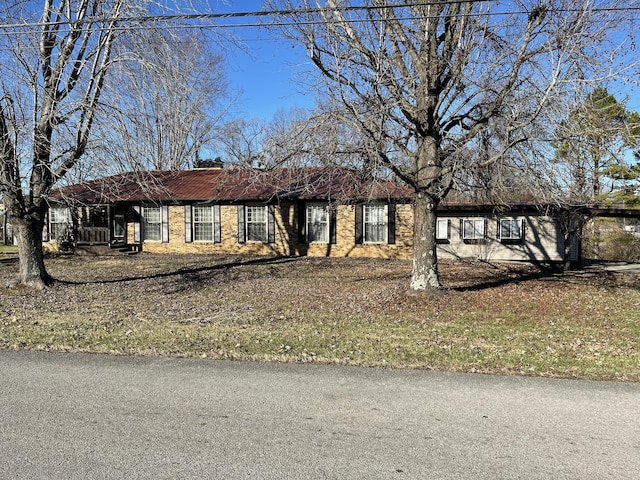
x=461, y=208
x=241, y=185
x=231, y=185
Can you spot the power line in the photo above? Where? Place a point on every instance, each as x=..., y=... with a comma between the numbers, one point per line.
x=215, y=16
x=172, y=21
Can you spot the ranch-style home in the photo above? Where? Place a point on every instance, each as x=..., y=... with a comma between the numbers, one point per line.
x=287, y=212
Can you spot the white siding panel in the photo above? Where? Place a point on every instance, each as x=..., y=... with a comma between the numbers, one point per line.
x=543, y=242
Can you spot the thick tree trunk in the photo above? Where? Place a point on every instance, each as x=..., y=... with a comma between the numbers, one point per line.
x=571, y=223
x=425, y=258
x=32, y=269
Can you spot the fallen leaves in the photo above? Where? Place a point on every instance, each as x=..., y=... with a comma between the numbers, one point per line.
x=509, y=318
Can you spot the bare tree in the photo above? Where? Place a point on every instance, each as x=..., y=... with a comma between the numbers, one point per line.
x=297, y=138
x=167, y=104
x=294, y=137
x=55, y=64
x=242, y=140
x=422, y=81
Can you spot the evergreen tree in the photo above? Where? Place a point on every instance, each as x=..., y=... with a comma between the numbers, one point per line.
x=597, y=145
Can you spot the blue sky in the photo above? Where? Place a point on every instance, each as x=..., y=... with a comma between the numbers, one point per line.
x=265, y=73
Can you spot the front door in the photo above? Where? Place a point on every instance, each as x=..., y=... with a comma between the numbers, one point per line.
x=119, y=227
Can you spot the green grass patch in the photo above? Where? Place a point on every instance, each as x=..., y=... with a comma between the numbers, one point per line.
x=508, y=319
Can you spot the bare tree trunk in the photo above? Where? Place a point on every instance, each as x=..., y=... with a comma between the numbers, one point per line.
x=568, y=242
x=425, y=82
x=61, y=81
x=424, y=275
x=32, y=269
x=571, y=223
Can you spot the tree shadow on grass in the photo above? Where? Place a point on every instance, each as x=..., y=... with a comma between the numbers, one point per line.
x=470, y=278
x=10, y=260
x=555, y=274
x=188, y=276
x=508, y=276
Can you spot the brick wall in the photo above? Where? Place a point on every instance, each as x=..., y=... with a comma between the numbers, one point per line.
x=286, y=236
x=542, y=237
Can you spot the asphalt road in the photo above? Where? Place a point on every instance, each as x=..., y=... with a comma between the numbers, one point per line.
x=89, y=416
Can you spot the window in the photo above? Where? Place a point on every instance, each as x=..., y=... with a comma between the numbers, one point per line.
x=473, y=229
x=510, y=229
x=152, y=223
x=202, y=223
x=317, y=222
x=375, y=223
x=98, y=217
x=442, y=229
x=256, y=221
x=59, y=223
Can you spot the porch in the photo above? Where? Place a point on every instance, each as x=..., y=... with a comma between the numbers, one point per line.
x=100, y=225
x=93, y=236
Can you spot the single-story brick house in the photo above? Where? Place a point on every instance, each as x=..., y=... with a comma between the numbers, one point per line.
x=285, y=212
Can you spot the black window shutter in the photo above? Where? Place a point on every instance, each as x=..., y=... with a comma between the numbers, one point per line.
x=165, y=223
x=188, y=235
x=217, y=227
x=271, y=224
x=302, y=223
x=333, y=225
x=391, y=223
x=241, y=232
x=137, y=223
x=359, y=237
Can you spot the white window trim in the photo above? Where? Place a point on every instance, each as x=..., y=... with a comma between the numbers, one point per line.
x=195, y=223
x=63, y=212
x=478, y=233
x=325, y=207
x=442, y=224
x=146, y=223
x=266, y=223
x=511, y=221
x=385, y=238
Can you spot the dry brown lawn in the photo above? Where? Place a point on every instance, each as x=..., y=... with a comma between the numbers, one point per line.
x=493, y=318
